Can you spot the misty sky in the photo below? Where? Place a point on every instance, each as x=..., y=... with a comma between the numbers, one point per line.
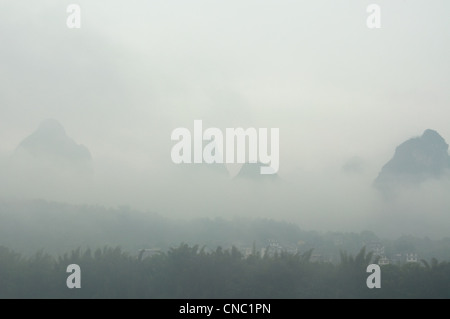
x=136, y=70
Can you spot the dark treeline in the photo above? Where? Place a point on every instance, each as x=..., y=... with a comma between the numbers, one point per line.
x=192, y=272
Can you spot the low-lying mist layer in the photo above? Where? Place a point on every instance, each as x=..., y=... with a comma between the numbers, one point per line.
x=29, y=226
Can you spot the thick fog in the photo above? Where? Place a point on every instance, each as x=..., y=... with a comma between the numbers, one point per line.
x=343, y=97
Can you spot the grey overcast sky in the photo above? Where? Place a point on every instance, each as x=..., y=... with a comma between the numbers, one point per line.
x=138, y=69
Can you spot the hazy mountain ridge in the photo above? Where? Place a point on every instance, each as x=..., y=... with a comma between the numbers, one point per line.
x=52, y=152
x=50, y=140
x=416, y=160
x=251, y=171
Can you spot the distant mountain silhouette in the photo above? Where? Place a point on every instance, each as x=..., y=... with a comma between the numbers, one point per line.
x=205, y=169
x=252, y=171
x=50, y=140
x=49, y=164
x=49, y=151
x=415, y=161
